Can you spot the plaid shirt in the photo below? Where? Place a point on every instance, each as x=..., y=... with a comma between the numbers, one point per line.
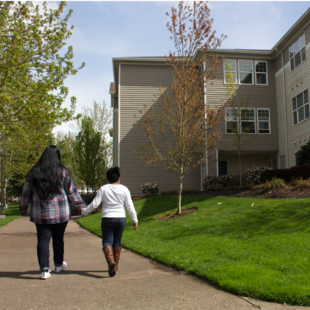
x=52, y=211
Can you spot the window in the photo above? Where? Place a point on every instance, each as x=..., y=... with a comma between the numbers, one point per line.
x=261, y=72
x=297, y=52
x=301, y=107
x=247, y=120
x=245, y=71
x=231, y=120
x=263, y=120
x=230, y=67
x=222, y=167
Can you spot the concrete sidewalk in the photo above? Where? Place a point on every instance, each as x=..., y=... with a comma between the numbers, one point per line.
x=140, y=283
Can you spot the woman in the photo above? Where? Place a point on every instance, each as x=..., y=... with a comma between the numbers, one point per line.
x=114, y=197
x=49, y=188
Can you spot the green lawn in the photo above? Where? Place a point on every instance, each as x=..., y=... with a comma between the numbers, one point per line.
x=11, y=214
x=261, y=251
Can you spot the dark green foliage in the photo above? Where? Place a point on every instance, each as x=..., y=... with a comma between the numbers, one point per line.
x=303, y=155
x=90, y=165
x=287, y=175
x=15, y=185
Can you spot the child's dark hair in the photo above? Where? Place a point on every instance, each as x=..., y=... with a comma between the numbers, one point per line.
x=113, y=174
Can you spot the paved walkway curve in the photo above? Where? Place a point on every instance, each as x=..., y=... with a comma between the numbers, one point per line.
x=140, y=283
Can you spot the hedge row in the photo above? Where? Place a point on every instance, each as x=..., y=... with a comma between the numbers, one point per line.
x=287, y=174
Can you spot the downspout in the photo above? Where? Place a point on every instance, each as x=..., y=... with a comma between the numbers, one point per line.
x=119, y=116
x=285, y=110
x=205, y=102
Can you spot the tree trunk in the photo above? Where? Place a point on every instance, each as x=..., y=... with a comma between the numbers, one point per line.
x=180, y=195
x=240, y=170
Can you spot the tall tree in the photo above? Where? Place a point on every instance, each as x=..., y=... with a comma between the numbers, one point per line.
x=240, y=119
x=241, y=123
x=66, y=144
x=32, y=70
x=180, y=129
x=90, y=165
x=101, y=115
x=23, y=151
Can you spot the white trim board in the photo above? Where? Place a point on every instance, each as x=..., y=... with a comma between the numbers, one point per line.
x=119, y=116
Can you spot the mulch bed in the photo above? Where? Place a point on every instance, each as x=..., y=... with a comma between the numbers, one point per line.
x=172, y=215
x=276, y=193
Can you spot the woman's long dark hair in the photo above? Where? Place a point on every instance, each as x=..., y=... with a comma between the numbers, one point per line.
x=46, y=174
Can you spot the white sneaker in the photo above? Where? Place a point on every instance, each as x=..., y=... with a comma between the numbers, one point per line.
x=61, y=268
x=45, y=275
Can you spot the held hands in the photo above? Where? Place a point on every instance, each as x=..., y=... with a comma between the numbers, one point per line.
x=135, y=226
x=83, y=212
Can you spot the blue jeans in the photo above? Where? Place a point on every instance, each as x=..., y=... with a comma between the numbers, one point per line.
x=44, y=233
x=112, y=230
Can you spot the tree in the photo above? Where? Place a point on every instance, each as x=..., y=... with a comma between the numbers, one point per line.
x=23, y=151
x=241, y=123
x=66, y=144
x=32, y=72
x=180, y=129
x=303, y=155
x=90, y=165
x=102, y=123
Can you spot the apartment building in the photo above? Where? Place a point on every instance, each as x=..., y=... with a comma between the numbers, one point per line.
x=276, y=82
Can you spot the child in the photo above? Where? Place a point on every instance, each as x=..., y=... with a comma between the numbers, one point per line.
x=114, y=197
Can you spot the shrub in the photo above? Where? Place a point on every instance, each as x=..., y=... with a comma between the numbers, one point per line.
x=287, y=174
x=303, y=155
x=275, y=183
x=253, y=175
x=222, y=181
x=300, y=182
x=150, y=188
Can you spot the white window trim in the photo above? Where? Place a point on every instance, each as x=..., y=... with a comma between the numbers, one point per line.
x=255, y=62
x=262, y=109
x=294, y=54
x=249, y=133
x=236, y=79
x=307, y=88
x=239, y=80
x=229, y=133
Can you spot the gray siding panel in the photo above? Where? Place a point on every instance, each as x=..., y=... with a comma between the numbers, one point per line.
x=286, y=55
x=278, y=63
x=138, y=85
x=296, y=81
x=307, y=34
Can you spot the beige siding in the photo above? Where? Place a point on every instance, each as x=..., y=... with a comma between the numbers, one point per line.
x=307, y=34
x=281, y=115
x=286, y=55
x=259, y=97
x=212, y=164
x=278, y=63
x=296, y=81
x=115, y=133
x=138, y=84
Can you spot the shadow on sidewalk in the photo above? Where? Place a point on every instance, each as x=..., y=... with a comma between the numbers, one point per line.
x=23, y=275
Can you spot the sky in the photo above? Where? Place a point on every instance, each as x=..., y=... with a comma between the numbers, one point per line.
x=107, y=29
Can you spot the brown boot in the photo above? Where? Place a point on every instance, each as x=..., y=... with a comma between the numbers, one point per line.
x=108, y=252
x=117, y=254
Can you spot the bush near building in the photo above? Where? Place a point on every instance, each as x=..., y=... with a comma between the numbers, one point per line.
x=287, y=175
